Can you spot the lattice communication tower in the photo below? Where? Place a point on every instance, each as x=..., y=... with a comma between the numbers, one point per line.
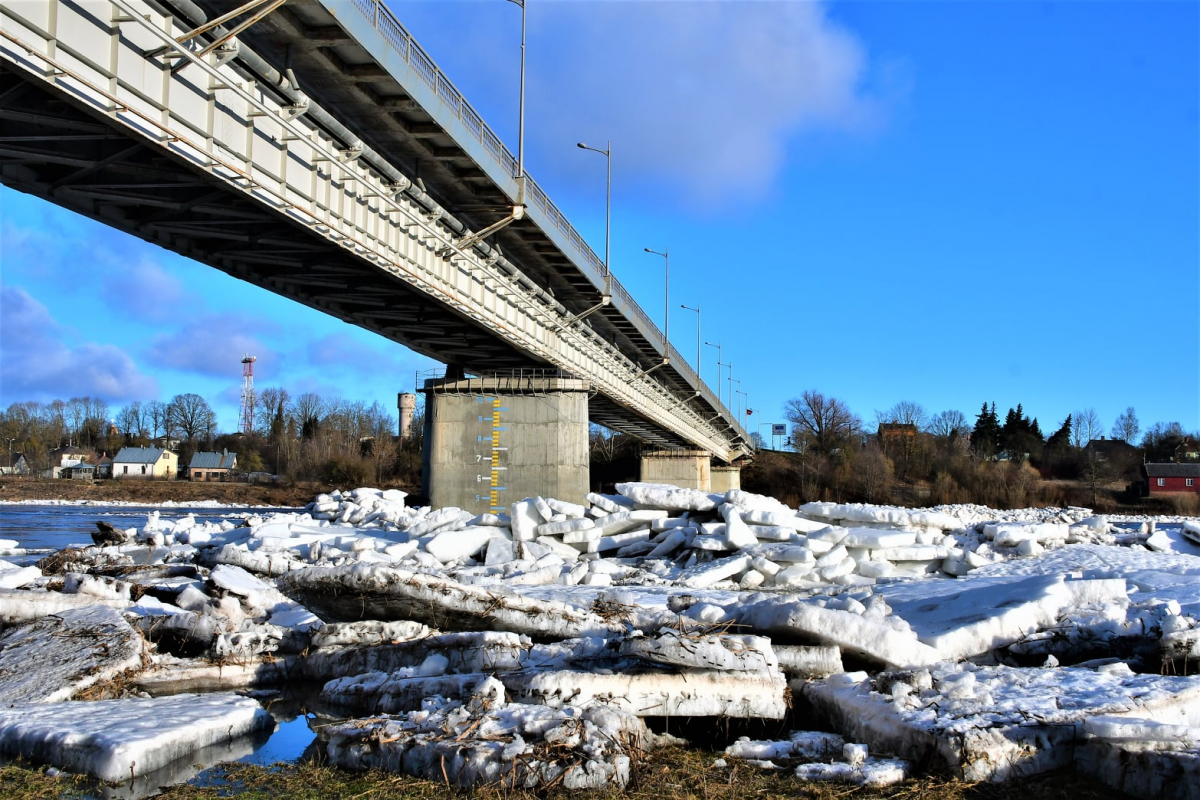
x=247, y=425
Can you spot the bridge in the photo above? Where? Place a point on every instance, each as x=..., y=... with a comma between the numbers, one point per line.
x=314, y=149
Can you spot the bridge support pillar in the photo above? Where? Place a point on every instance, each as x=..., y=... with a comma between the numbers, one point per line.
x=725, y=478
x=686, y=468
x=494, y=440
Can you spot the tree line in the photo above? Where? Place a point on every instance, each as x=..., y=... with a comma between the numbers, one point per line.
x=306, y=437
x=909, y=455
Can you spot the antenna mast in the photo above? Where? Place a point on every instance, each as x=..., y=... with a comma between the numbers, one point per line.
x=247, y=422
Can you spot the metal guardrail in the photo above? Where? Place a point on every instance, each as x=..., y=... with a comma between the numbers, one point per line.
x=403, y=43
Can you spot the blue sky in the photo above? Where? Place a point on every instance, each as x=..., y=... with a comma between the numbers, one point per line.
x=948, y=203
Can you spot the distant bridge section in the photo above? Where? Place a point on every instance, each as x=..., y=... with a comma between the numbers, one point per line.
x=320, y=154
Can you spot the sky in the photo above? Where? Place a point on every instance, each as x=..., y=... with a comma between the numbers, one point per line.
x=941, y=202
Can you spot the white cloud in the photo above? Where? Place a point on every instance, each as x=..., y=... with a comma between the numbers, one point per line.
x=706, y=95
x=42, y=360
x=212, y=345
x=144, y=291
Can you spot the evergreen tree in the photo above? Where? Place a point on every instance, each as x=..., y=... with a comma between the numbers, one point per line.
x=985, y=438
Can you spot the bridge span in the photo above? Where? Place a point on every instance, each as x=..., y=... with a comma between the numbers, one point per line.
x=313, y=148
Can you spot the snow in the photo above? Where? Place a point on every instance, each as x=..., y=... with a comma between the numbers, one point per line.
x=657, y=601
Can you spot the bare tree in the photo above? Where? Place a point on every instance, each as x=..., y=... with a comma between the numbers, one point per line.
x=949, y=425
x=269, y=410
x=906, y=412
x=1085, y=427
x=129, y=420
x=190, y=416
x=1126, y=427
x=309, y=411
x=76, y=413
x=826, y=422
x=154, y=415
x=873, y=471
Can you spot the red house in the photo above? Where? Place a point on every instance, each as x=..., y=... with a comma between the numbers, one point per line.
x=1168, y=478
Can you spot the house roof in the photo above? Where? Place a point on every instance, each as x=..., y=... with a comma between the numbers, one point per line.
x=139, y=455
x=1172, y=470
x=1111, y=447
x=203, y=460
x=11, y=461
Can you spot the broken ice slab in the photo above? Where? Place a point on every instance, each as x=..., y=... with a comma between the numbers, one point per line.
x=358, y=591
x=488, y=741
x=58, y=656
x=703, y=575
x=19, y=606
x=1141, y=758
x=171, y=675
x=701, y=651
x=813, y=745
x=475, y=651
x=805, y=661
x=115, y=740
x=463, y=543
x=976, y=615
x=14, y=577
x=696, y=693
x=673, y=498
x=1011, y=534
x=993, y=723
x=395, y=693
x=872, y=772
x=787, y=619
x=367, y=632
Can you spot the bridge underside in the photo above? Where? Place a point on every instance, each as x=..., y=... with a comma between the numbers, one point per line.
x=53, y=148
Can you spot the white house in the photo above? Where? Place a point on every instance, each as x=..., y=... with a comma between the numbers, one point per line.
x=145, y=463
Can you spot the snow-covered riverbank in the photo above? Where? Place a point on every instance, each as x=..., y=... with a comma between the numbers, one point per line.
x=533, y=645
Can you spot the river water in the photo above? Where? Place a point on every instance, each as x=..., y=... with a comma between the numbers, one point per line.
x=39, y=528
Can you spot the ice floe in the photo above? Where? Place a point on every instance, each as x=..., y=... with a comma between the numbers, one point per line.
x=526, y=646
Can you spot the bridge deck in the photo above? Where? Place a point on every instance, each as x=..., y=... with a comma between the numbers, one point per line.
x=421, y=126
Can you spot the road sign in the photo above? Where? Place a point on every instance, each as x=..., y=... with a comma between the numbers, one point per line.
x=779, y=430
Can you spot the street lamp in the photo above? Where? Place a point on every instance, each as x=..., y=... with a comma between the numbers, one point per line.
x=666, y=298
x=697, y=310
x=730, y=365
x=607, y=153
x=521, y=113
x=719, y=365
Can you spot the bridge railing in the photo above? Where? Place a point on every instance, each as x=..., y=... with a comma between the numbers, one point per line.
x=402, y=41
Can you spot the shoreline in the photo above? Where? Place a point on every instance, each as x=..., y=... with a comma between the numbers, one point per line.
x=159, y=494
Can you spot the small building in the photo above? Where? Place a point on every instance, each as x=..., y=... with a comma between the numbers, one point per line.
x=1120, y=456
x=13, y=464
x=83, y=471
x=1171, y=478
x=65, y=457
x=104, y=467
x=1187, y=450
x=212, y=466
x=896, y=432
x=145, y=463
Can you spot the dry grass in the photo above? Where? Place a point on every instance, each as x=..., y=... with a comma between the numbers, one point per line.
x=670, y=774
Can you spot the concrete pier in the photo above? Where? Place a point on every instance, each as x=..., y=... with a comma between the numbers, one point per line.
x=687, y=468
x=725, y=478
x=493, y=440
